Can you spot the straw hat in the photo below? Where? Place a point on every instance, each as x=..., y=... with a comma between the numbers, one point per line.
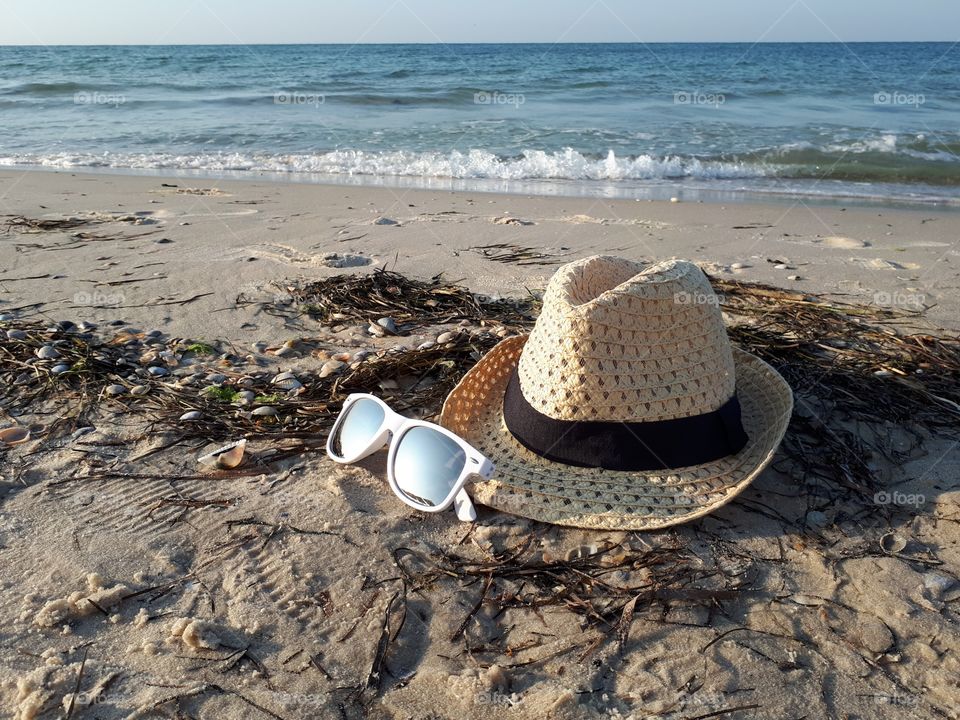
x=626, y=407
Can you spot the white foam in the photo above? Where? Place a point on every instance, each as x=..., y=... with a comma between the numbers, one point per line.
x=567, y=164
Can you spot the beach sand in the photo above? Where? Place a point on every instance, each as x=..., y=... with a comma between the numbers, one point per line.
x=167, y=589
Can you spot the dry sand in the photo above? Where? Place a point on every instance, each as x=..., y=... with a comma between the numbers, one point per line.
x=172, y=610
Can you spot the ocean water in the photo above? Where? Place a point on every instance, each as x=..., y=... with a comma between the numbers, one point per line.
x=877, y=121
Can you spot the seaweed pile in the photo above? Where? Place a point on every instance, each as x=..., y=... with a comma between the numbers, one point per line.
x=384, y=292
x=850, y=358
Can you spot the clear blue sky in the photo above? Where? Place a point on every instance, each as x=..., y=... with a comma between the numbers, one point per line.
x=451, y=21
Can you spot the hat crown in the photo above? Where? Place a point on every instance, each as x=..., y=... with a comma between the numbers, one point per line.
x=620, y=341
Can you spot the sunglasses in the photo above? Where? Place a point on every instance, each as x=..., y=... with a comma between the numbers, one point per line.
x=427, y=465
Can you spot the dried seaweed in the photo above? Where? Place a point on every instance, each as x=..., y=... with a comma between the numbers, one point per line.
x=516, y=254
x=384, y=293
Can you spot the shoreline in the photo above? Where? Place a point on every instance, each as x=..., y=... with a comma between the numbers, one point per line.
x=653, y=190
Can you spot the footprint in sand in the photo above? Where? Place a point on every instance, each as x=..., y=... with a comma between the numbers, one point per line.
x=843, y=243
x=292, y=256
x=590, y=220
x=880, y=264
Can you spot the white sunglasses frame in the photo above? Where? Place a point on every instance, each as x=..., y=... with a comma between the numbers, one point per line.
x=391, y=432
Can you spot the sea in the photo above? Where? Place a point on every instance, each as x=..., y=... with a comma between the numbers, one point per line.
x=869, y=122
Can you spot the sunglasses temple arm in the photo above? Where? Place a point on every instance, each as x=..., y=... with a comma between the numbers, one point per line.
x=466, y=512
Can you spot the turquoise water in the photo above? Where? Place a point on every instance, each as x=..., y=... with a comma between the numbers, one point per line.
x=873, y=120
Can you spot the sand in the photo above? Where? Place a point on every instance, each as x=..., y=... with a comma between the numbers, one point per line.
x=267, y=596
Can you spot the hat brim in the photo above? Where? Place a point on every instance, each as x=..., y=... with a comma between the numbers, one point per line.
x=528, y=485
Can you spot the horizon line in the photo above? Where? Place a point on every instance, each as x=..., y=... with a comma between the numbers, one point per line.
x=512, y=42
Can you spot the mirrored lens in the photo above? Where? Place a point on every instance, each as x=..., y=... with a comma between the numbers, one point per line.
x=427, y=465
x=357, y=428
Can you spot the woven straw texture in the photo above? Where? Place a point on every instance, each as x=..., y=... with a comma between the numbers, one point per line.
x=619, y=342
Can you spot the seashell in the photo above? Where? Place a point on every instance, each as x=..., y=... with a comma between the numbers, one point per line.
x=16, y=334
x=115, y=389
x=23, y=378
x=289, y=385
x=388, y=324
x=154, y=333
x=191, y=416
x=14, y=435
x=246, y=397
x=259, y=346
x=376, y=330
x=331, y=367
x=47, y=352
x=216, y=379
x=892, y=543
x=342, y=357
x=60, y=369
x=446, y=337
x=283, y=376
x=169, y=357
x=245, y=381
x=265, y=411
x=140, y=390
x=81, y=431
x=86, y=326
x=228, y=456
x=4, y=317
x=158, y=371
x=283, y=351
x=148, y=357
x=426, y=345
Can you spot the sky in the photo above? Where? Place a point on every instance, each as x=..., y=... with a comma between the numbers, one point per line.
x=135, y=22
